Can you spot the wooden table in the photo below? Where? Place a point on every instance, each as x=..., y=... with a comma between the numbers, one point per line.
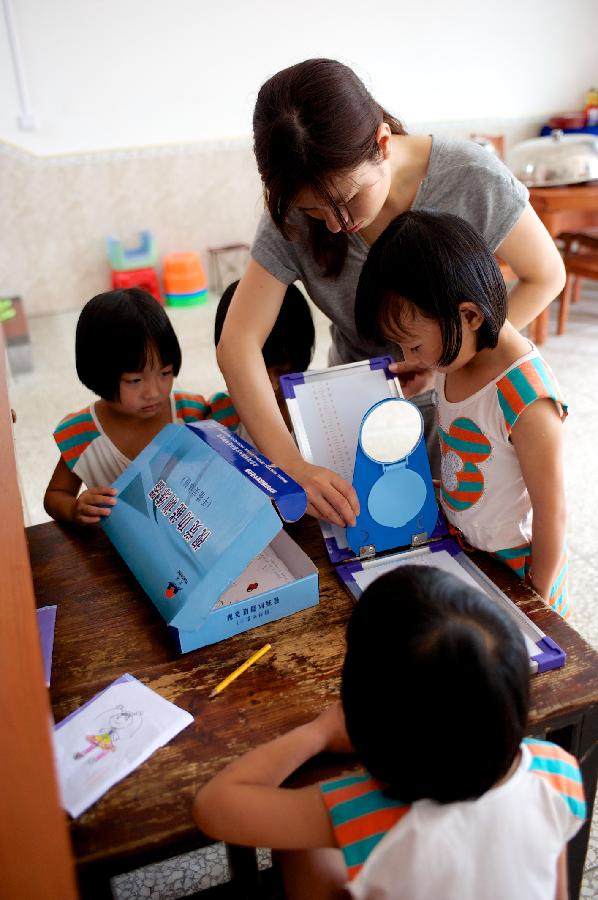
x=569, y=208
x=106, y=626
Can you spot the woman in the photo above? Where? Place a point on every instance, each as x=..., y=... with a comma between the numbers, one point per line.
x=336, y=169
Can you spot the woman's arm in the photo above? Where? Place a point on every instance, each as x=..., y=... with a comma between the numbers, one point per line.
x=244, y=804
x=535, y=259
x=250, y=318
x=538, y=440
x=63, y=502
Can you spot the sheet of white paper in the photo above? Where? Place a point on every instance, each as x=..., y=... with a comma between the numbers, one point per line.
x=441, y=560
x=265, y=573
x=110, y=736
x=332, y=410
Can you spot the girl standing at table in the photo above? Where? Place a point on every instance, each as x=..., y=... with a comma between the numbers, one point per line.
x=336, y=169
x=431, y=286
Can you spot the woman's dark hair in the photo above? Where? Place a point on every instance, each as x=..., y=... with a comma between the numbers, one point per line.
x=311, y=121
x=432, y=261
x=435, y=686
x=119, y=331
x=291, y=341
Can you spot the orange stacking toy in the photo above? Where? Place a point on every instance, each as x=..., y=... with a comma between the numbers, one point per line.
x=185, y=282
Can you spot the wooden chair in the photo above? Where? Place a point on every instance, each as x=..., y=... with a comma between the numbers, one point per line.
x=580, y=255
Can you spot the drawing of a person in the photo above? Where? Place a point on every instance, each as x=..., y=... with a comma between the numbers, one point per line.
x=118, y=723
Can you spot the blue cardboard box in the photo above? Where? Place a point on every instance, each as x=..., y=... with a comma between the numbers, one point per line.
x=194, y=510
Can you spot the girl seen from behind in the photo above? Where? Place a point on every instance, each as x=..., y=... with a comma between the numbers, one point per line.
x=453, y=803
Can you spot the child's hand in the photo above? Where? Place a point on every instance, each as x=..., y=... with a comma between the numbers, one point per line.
x=415, y=379
x=331, y=724
x=93, y=504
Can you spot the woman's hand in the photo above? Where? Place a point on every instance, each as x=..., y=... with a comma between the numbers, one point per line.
x=329, y=497
x=331, y=725
x=94, y=504
x=415, y=379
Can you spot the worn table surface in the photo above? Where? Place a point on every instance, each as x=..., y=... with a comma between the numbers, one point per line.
x=106, y=626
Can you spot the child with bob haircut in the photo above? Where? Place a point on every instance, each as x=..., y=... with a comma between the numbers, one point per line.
x=128, y=354
x=431, y=285
x=288, y=348
x=454, y=804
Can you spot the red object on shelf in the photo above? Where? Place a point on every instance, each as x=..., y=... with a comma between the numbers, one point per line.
x=146, y=279
x=568, y=120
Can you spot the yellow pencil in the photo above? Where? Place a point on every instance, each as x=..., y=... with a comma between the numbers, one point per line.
x=240, y=670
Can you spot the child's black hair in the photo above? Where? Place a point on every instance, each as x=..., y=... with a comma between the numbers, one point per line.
x=291, y=341
x=435, y=686
x=434, y=262
x=119, y=331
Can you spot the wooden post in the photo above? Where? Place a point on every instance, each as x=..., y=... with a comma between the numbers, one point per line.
x=35, y=853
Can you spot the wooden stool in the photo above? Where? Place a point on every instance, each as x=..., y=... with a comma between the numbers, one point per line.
x=221, y=264
x=580, y=255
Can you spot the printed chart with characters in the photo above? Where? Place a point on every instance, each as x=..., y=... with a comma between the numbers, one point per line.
x=109, y=736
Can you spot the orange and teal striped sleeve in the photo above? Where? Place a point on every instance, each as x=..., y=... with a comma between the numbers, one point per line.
x=561, y=771
x=195, y=408
x=519, y=559
x=532, y=380
x=74, y=435
x=361, y=814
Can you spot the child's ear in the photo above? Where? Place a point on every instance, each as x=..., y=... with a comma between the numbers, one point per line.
x=471, y=317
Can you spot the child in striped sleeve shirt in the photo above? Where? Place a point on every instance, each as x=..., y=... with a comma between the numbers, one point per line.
x=128, y=354
x=454, y=803
x=431, y=285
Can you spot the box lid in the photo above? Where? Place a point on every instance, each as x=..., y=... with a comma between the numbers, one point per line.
x=194, y=508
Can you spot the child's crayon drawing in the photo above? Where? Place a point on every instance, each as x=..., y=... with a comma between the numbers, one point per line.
x=109, y=736
x=120, y=724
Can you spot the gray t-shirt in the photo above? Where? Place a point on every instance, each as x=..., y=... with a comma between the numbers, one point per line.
x=462, y=178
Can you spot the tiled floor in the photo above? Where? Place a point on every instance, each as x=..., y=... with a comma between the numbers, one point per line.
x=43, y=396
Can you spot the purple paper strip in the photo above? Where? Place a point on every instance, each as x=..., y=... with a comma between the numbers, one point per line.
x=46, y=619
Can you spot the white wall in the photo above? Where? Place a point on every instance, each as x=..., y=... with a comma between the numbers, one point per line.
x=118, y=73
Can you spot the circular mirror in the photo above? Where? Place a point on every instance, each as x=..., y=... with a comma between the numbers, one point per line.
x=391, y=430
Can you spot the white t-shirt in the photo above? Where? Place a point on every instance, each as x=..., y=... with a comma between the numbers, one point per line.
x=503, y=846
x=483, y=493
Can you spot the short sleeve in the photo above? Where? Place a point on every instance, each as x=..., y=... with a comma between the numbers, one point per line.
x=74, y=434
x=560, y=770
x=468, y=181
x=272, y=251
x=523, y=385
x=195, y=408
x=361, y=814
